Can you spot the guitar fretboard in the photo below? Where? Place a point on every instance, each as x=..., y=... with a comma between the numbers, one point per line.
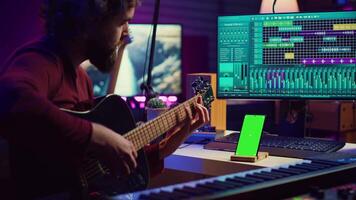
x=147, y=132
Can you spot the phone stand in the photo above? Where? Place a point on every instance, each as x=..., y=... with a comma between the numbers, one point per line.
x=260, y=156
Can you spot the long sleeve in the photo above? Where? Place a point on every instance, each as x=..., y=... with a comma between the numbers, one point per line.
x=156, y=164
x=29, y=118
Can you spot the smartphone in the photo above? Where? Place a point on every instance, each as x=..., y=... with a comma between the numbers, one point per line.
x=250, y=135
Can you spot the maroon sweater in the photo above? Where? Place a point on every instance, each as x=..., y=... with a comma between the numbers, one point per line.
x=37, y=80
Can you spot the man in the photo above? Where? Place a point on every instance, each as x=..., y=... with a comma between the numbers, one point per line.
x=46, y=144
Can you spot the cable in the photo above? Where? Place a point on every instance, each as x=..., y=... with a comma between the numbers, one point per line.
x=149, y=92
x=307, y=119
x=353, y=115
x=146, y=56
x=273, y=6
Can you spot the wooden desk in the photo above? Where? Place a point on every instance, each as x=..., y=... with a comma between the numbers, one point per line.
x=197, y=151
x=193, y=162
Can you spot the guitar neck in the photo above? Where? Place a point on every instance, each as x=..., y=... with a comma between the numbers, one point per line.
x=147, y=132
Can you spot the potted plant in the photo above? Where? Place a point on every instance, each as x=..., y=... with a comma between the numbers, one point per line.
x=155, y=107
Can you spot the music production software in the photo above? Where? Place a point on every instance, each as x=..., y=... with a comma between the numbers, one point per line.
x=295, y=55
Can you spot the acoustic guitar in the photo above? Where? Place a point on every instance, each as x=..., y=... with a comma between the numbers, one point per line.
x=113, y=112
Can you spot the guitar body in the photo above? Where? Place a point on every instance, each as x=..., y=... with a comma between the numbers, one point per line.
x=112, y=112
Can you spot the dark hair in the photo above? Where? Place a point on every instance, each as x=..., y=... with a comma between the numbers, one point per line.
x=67, y=18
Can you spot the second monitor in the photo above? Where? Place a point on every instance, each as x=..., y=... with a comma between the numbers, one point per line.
x=166, y=72
x=291, y=55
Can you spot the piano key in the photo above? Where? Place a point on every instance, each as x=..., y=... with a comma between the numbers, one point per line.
x=332, y=163
x=154, y=196
x=212, y=186
x=261, y=176
x=275, y=174
x=285, y=171
x=244, y=180
x=298, y=171
x=228, y=186
x=143, y=197
x=196, y=190
x=236, y=184
x=181, y=195
x=314, y=165
x=209, y=190
x=254, y=179
x=320, y=165
x=188, y=191
x=223, y=186
x=167, y=195
x=239, y=181
x=305, y=167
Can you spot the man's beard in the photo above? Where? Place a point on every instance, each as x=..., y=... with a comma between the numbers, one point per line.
x=103, y=58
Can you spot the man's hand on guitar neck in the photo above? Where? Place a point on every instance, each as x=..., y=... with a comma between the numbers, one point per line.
x=184, y=128
x=113, y=149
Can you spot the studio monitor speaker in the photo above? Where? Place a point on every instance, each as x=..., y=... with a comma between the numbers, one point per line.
x=218, y=106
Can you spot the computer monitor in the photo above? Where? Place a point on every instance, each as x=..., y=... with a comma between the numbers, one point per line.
x=167, y=66
x=290, y=55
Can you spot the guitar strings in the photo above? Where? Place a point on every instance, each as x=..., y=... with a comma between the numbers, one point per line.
x=153, y=124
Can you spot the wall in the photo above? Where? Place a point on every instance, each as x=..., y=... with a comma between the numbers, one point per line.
x=19, y=22
x=233, y=7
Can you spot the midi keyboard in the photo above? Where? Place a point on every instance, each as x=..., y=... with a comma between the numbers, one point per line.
x=278, y=182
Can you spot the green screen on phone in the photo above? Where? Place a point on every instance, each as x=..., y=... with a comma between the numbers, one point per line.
x=250, y=135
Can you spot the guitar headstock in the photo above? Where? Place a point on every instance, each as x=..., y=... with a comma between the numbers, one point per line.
x=203, y=87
